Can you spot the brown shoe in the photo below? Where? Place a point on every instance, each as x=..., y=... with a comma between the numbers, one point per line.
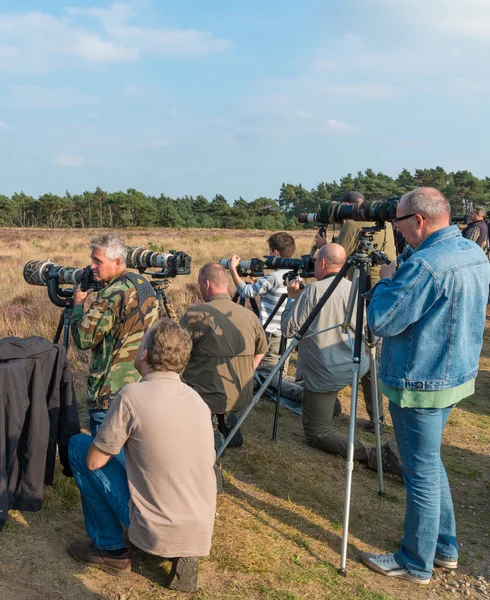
x=84, y=552
x=183, y=575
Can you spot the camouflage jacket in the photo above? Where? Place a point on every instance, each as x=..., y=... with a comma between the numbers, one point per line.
x=112, y=328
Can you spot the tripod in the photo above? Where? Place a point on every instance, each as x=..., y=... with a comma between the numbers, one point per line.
x=63, y=298
x=64, y=324
x=164, y=304
x=282, y=348
x=365, y=256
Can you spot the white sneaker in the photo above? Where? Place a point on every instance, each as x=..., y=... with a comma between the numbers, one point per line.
x=447, y=563
x=387, y=565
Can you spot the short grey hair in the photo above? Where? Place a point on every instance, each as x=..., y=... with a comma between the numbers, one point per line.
x=480, y=211
x=111, y=244
x=426, y=201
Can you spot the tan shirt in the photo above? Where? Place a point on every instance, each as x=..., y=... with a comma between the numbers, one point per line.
x=225, y=338
x=167, y=435
x=349, y=240
x=324, y=360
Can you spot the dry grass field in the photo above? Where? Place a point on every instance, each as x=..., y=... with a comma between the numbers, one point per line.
x=278, y=524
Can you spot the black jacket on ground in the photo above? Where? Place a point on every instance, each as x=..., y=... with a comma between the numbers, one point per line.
x=38, y=412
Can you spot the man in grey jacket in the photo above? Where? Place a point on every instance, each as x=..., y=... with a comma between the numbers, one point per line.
x=325, y=359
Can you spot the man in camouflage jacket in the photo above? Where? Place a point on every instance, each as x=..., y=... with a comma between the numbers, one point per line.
x=113, y=325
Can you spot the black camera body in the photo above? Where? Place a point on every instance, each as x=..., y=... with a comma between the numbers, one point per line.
x=180, y=264
x=302, y=267
x=463, y=219
x=88, y=282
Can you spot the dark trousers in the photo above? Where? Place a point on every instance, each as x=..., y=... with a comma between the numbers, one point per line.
x=318, y=410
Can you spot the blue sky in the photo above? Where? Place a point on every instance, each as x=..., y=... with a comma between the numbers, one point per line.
x=237, y=96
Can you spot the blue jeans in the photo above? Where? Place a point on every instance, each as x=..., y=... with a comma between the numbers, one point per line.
x=430, y=525
x=104, y=493
x=96, y=417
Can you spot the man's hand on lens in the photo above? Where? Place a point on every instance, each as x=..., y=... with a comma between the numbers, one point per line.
x=387, y=271
x=79, y=297
x=294, y=288
x=234, y=262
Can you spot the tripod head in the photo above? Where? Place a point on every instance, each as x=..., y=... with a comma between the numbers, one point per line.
x=367, y=251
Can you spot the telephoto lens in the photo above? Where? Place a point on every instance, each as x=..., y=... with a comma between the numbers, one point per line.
x=140, y=258
x=337, y=212
x=253, y=267
x=37, y=272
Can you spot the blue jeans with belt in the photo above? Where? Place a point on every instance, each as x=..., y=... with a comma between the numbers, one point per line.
x=104, y=493
x=430, y=525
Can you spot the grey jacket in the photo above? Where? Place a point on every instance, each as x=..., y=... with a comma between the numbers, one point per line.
x=325, y=360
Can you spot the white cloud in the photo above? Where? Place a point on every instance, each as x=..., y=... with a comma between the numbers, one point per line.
x=34, y=96
x=68, y=160
x=333, y=126
x=159, y=143
x=37, y=41
x=468, y=19
x=4, y=125
x=92, y=115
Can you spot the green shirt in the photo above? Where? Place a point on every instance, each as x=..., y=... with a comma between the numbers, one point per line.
x=428, y=399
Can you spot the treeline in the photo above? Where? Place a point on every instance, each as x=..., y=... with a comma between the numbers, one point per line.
x=135, y=209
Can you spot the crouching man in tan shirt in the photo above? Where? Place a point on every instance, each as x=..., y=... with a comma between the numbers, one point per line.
x=162, y=487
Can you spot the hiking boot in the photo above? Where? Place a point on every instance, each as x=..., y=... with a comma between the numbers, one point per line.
x=230, y=422
x=391, y=459
x=218, y=438
x=85, y=552
x=446, y=563
x=183, y=574
x=387, y=565
x=370, y=426
x=337, y=411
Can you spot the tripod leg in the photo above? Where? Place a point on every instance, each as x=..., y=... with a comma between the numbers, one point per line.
x=66, y=328
x=282, y=347
x=295, y=341
x=59, y=329
x=258, y=395
x=373, y=367
x=353, y=414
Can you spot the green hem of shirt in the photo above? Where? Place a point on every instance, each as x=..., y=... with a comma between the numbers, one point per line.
x=426, y=398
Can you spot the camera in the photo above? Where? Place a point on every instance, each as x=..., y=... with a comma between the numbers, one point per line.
x=302, y=267
x=246, y=268
x=172, y=264
x=464, y=219
x=40, y=272
x=336, y=212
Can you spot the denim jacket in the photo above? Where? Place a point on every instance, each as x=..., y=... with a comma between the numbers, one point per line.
x=431, y=315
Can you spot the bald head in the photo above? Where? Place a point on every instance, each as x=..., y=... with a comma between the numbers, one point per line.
x=212, y=279
x=333, y=254
x=329, y=259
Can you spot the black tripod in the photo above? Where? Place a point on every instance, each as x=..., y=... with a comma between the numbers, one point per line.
x=366, y=255
x=282, y=348
x=63, y=298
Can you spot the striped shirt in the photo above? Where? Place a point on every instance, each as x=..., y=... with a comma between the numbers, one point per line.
x=270, y=289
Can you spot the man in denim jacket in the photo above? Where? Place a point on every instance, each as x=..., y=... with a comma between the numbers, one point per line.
x=431, y=316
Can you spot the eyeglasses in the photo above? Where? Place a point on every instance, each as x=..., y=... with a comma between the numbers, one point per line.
x=398, y=219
